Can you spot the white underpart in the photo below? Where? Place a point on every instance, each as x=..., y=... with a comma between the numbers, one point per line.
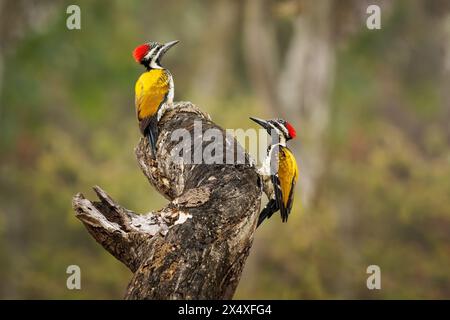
x=265, y=168
x=265, y=174
x=169, y=100
x=267, y=163
x=171, y=88
x=270, y=164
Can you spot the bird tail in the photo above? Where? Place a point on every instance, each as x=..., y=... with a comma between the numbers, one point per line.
x=268, y=211
x=152, y=136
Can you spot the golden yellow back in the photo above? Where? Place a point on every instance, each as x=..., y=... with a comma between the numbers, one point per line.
x=287, y=172
x=151, y=91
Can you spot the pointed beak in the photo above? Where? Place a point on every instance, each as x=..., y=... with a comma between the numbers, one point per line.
x=167, y=46
x=262, y=123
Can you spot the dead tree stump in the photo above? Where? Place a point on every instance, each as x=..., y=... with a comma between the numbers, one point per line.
x=195, y=247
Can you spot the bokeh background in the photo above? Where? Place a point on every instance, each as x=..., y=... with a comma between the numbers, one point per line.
x=371, y=107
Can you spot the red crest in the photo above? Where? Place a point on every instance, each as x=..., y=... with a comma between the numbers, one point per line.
x=140, y=52
x=291, y=130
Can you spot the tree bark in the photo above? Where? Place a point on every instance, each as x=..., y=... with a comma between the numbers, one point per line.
x=195, y=247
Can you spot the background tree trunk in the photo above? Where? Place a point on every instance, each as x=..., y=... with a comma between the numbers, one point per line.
x=294, y=83
x=195, y=247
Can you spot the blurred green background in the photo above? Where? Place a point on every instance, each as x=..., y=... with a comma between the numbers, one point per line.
x=371, y=107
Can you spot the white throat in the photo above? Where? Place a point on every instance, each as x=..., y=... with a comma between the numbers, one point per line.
x=169, y=99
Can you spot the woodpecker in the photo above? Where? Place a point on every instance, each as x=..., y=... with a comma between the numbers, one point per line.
x=279, y=172
x=154, y=89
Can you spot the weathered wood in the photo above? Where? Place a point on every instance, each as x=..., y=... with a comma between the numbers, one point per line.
x=195, y=247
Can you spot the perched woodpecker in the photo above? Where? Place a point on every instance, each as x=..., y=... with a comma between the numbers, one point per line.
x=154, y=89
x=279, y=172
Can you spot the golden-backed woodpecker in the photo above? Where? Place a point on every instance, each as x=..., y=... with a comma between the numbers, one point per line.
x=154, y=89
x=279, y=172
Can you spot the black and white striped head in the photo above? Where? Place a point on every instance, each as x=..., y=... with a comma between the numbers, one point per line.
x=279, y=126
x=150, y=54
